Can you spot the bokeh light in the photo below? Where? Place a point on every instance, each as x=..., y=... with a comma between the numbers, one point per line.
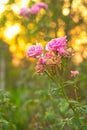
x=15, y=34
x=11, y=31
x=4, y=1
x=65, y=11
x=2, y=8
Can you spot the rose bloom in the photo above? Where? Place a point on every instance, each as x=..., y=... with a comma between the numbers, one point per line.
x=35, y=9
x=56, y=43
x=61, y=51
x=42, y=5
x=34, y=51
x=48, y=55
x=42, y=60
x=24, y=11
x=74, y=72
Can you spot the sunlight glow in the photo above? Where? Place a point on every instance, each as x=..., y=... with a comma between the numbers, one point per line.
x=21, y=44
x=15, y=8
x=78, y=41
x=11, y=31
x=77, y=58
x=2, y=8
x=12, y=48
x=24, y=3
x=61, y=32
x=18, y=46
x=65, y=11
x=85, y=53
x=3, y=1
x=15, y=61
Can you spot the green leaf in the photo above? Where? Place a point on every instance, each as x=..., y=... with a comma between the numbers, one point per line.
x=76, y=123
x=61, y=124
x=50, y=116
x=84, y=128
x=83, y=109
x=4, y=124
x=69, y=82
x=63, y=105
x=74, y=102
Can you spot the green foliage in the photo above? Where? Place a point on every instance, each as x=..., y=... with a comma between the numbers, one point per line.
x=3, y=21
x=7, y=110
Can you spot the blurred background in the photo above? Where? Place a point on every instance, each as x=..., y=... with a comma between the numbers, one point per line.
x=17, y=74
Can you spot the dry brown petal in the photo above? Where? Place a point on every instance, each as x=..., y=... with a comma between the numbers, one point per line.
x=54, y=60
x=40, y=69
x=69, y=53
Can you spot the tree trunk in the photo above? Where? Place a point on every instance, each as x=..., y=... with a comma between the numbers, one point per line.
x=2, y=72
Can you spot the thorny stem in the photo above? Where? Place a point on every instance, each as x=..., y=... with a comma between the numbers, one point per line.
x=64, y=94
x=50, y=95
x=66, y=97
x=50, y=77
x=75, y=90
x=76, y=93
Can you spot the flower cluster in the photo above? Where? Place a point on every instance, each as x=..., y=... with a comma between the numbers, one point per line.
x=55, y=51
x=33, y=10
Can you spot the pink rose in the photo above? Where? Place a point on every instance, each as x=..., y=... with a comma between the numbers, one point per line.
x=74, y=72
x=24, y=11
x=42, y=60
x=42, y=5
x=35, y=9
x=48, y=55
x=56, y=43
x=61, y=51
x=34, y=51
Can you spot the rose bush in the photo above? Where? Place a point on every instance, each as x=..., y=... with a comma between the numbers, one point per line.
x=53, y=61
